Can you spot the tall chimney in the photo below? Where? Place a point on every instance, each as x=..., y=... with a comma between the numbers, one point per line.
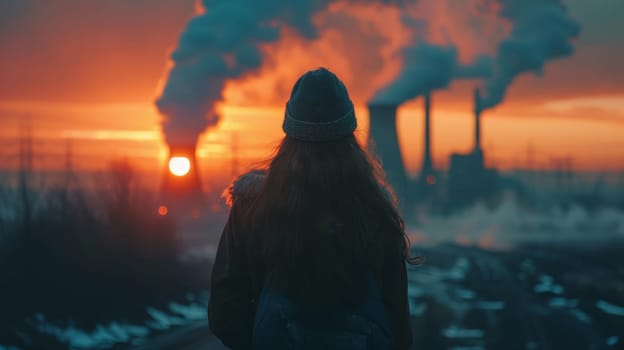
x=383, y=142
x=427, y=160
x=477, y=112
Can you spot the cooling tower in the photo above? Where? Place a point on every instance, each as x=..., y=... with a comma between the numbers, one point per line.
x=383, y=142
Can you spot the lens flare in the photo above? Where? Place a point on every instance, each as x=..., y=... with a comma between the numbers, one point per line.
x=163, y=210
x=179, y=166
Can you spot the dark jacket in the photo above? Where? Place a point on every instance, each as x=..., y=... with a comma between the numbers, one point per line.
x=237, y=277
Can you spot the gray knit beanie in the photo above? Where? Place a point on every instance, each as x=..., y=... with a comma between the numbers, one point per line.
x=319, y=108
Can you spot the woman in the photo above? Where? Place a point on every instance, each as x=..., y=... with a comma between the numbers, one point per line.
x=318, y=221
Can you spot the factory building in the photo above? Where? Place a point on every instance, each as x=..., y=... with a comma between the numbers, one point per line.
x=468, y=178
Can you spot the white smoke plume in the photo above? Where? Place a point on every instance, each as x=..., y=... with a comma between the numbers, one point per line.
x=510, y=223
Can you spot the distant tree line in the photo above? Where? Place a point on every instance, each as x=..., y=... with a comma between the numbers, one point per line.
x=87, y=254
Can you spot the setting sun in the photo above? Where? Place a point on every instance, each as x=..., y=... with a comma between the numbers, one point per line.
x=179, y=166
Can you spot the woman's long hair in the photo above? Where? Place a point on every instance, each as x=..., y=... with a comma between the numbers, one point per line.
x=323, y=216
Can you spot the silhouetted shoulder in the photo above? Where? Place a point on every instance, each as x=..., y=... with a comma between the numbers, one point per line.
x=245, y=186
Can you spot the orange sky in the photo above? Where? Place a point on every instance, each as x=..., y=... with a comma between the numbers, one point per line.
x=87, y=72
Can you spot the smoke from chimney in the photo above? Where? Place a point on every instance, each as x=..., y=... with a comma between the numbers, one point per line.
x=219, y=44
x=225, y=41
x=426, y=67
x=541, y=31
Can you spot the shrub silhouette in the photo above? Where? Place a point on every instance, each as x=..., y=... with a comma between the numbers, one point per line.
x=88, y=254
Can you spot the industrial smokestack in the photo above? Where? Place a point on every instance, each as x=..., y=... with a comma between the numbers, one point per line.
x=383, y=142
x=427, y=159
x=427, y=178
x=477, y=113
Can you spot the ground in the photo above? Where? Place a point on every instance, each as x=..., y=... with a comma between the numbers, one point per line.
x=564, y=296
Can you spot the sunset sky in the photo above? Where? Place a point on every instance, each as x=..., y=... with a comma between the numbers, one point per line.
x=87, y=72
